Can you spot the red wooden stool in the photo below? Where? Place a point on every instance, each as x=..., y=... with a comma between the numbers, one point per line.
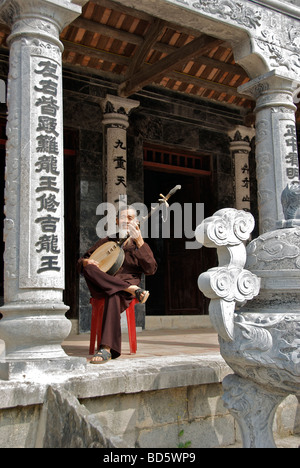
x=96, y=324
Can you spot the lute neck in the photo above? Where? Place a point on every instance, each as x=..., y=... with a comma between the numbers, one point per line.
x=161, y=201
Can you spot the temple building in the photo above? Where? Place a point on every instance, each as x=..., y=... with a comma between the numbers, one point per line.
x=103, y=101
x=187, y=83
x=203, y=95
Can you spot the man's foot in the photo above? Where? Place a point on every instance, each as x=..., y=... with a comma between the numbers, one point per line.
x=101, y=356
x=141, y=295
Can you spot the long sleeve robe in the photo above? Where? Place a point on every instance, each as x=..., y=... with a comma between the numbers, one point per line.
x=101, y=285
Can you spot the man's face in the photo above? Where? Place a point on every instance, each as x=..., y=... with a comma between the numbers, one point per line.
x=126, y=217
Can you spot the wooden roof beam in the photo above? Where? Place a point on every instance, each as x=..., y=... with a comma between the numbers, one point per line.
x=153, y=33
x=149, y=74
x=122, y=60
x=95, y=53
x=210, y=85
x=109, y=31
x=179, y=76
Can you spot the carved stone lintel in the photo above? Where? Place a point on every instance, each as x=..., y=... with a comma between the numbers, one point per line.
x=253, y=408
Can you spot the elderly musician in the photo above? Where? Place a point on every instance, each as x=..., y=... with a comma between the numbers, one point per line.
x=120, y=289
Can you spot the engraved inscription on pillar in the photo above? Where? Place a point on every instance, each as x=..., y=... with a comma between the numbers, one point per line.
x=115, y=121
x=276, y=143
x=290, y=150
x=41, y=223
x=240, y=139
x=116, y=164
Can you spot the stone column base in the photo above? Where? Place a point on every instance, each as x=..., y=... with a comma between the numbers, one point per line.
x=34, y=331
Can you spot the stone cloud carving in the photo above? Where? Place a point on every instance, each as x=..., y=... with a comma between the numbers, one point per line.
x=229, y=284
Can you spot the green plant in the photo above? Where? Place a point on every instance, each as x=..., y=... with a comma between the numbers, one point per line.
x=186, y=444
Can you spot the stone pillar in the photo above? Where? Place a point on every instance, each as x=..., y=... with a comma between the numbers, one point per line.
x=116, y=111
x=240, y=139
x=34, y=323
x=276, y=144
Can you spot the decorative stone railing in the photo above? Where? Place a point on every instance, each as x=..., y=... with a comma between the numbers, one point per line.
x=259, y=340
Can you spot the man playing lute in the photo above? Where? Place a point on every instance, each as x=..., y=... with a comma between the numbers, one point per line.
x=118, y=290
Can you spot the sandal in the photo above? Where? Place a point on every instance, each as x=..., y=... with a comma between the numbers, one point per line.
x=141, y=295
x=101, y=353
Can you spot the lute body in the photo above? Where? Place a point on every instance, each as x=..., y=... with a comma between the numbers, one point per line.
x=110, y=257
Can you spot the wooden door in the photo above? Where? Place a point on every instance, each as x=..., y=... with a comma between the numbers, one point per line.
x=174, y=289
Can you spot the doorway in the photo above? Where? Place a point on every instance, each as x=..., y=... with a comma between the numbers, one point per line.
x=174, y=289
x=71, y=215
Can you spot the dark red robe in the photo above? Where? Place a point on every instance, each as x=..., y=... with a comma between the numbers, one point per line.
x=101, y=285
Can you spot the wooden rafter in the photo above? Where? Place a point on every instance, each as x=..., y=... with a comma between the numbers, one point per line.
x=122, y=60
x=201, y=83
x=108, y=31
x=96, y=53
x=131, y=38
x=149, y=74
x=151, y=37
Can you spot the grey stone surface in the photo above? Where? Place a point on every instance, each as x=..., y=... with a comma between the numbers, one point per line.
x=128, y=403
x=276, y=143
x=34, y=323
x=74, y=426
x=122, y=404
x=259, y=339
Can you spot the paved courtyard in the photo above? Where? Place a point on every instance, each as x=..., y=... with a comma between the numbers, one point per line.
x=154, y=343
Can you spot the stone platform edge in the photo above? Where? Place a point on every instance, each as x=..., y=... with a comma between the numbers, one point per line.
x=118, y=377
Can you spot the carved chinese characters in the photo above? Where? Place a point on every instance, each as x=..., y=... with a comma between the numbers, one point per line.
x=276, y=144
x=34, y=323
x=42, y=163
x=291, y=157
x=116, y=164
x=48, y=243
x=115, y=122
x=240, y=146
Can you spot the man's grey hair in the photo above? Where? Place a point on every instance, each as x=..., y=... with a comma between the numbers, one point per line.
x=126, y=208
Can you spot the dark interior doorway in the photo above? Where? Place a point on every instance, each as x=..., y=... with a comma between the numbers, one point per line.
x=2, y=188
x=71, y=213
x=2, y=198
x=174, y=289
